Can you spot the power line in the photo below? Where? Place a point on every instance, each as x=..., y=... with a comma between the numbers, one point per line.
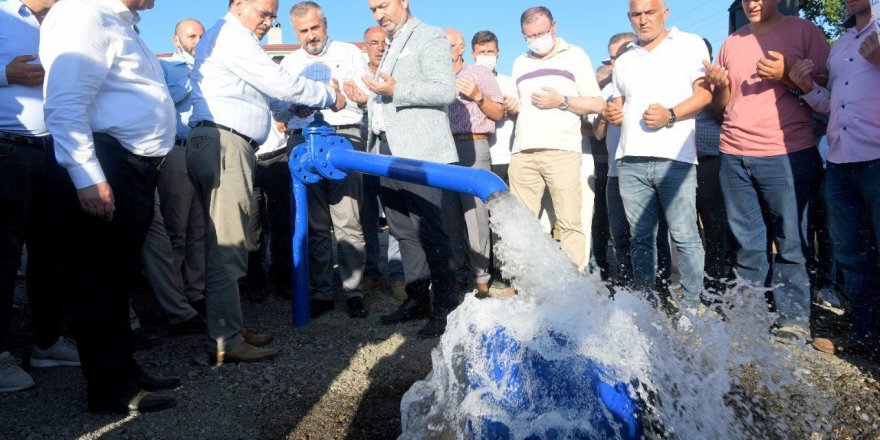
x=705, y=19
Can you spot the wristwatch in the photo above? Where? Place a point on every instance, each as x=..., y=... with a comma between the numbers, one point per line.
x=672, y=118
x=481, y=101
x=564, y=104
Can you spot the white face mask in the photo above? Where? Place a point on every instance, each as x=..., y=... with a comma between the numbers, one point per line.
x=542, y=45
x=487, y=61
x=185, y=56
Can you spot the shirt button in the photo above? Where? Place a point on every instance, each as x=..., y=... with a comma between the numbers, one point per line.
x=850, y=60
x=846, y=83
x=844, y=128
x=844, y=105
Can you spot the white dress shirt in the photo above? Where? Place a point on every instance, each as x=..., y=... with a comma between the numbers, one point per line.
x=21, y=107
x=340, y=61
x=101, y=77
x=234, y=82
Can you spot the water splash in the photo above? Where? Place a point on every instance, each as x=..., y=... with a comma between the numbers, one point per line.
x=704, y=373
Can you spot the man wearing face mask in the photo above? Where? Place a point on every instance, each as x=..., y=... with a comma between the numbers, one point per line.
x=472, y=117
x=556, y=86
x=485, y=52
x=234, y=84
x=333, y=204
x=174, y=251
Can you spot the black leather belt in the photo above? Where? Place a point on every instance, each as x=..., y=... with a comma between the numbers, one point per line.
x=156, y=162
x=382, y=137
x=298, y=131
x=273, y=154
x=41, y=142
x=247, y=139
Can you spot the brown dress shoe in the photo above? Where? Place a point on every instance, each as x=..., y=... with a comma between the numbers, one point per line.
x=245, y=353
x=398, y=290
x=257, y=339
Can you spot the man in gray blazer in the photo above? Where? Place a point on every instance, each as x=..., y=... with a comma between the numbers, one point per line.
x=407, y=105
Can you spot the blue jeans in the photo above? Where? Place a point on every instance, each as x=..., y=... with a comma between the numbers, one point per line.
x=853, y=197
x=759, y=195
x=620, y=238
x=651, y=187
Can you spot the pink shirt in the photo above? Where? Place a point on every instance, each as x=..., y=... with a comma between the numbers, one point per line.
x=465, y=115
x=853, y=102
x=763, y=118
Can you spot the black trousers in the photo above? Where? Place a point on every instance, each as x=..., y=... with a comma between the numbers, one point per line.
x=101, y=259
x=601, y=231
x=270, y=222
x=25, y=217
x=414, y=218
x=717, y=238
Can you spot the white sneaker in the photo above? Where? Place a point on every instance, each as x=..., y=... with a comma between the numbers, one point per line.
x=62, y=354
x=12, y=377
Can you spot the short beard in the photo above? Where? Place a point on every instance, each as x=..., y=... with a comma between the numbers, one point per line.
x=312, y=50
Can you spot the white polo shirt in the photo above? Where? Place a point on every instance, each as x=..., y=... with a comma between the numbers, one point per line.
x=665, y=76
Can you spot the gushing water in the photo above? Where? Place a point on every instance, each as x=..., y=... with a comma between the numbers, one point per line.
x=519, y=367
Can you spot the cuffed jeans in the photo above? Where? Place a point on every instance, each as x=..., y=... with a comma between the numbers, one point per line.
x=759, y=196
x=853, y=197
x=651, y=187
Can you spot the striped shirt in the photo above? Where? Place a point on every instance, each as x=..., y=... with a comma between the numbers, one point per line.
x=568, y=71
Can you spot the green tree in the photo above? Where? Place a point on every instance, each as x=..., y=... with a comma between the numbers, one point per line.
x=827, y=14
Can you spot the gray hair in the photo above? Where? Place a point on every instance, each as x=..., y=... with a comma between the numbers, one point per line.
x=623, y=36
x=302, y=8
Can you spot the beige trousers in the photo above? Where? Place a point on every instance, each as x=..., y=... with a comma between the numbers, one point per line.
x=532, y=171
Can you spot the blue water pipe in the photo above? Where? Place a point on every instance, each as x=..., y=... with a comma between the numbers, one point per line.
x=326, y=155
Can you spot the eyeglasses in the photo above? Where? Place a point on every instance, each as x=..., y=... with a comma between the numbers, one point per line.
x=537, y=37
x=266, y=15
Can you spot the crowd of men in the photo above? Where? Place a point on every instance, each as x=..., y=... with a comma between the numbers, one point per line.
x=114, y=163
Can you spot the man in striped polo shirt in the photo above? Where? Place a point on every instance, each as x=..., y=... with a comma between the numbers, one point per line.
x=556, y=87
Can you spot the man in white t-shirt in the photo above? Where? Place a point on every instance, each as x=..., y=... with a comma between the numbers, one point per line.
x=659, y=87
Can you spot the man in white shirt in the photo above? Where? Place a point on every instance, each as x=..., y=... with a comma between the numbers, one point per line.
x=656, y=155
x=556, y=87
x=234, y=83
x=332, y=203
x=25, y=196
x=112, y=121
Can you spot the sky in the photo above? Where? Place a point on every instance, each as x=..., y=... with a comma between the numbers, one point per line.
x=586, y=23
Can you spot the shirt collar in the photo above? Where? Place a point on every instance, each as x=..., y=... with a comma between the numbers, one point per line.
x=671, y=35
x=123, y=12
x=401, y=31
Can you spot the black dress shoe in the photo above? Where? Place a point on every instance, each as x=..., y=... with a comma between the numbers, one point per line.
x=142, y=401
x=318, y=307
x=434, y=328
x=356, y=307
x=194, y=325
x=143, y=339
x=409, y=310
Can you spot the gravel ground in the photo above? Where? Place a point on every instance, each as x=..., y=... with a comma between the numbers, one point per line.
x=336, y=378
